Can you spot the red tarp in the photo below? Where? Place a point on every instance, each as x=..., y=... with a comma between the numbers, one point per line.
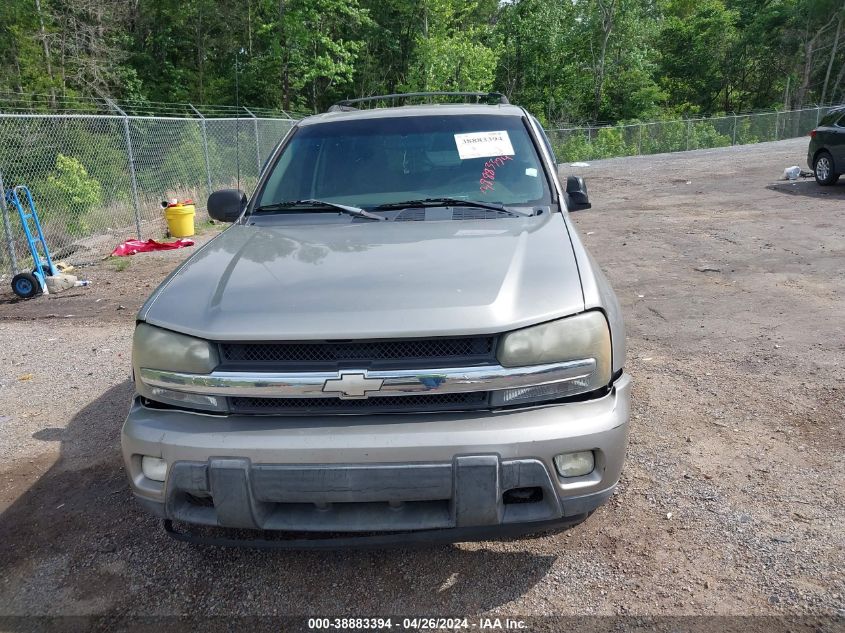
x=130, y=247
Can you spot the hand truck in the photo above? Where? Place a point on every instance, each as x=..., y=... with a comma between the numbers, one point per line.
x=27, y=285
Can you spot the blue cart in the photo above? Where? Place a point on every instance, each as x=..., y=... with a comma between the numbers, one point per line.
x=28, y=285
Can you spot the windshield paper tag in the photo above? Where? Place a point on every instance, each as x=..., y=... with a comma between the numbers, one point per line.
x=483, y=144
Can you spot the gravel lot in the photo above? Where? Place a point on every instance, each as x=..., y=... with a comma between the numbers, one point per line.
x=732, y=497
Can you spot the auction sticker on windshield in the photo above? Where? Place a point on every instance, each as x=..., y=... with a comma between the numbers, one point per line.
x=483, y=144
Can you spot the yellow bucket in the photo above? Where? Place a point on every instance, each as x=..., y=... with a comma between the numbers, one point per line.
x=180, y=219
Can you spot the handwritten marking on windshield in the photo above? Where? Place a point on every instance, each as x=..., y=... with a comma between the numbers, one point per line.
x=488, y=174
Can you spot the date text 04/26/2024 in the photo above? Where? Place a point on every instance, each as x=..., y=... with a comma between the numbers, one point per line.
x=415, y=624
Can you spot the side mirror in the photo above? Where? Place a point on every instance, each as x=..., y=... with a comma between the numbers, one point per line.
x=226, y=205
x=576, y=194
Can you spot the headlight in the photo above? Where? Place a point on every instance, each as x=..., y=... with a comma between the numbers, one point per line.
x=581, y=337
x=155, y=348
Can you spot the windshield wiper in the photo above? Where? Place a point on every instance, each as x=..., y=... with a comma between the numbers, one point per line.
x=450, y=202
x=319, y=204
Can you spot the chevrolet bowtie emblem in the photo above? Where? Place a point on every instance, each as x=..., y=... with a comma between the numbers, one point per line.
x=352, y=386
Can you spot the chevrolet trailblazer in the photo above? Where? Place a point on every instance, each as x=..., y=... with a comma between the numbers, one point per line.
x=400, y=337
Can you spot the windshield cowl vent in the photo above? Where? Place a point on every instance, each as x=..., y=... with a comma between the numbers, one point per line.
x=411, y=215
x=468, y=213
x=420, y=214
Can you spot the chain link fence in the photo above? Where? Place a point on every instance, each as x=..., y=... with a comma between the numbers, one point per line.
x=99, y=179
x=592, y=143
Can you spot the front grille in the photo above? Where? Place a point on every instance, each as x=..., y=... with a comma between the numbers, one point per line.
x=378, y=404
x=432, y=352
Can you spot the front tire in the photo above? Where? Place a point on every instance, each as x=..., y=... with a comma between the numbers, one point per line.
x=824, y=170
x=26, y=285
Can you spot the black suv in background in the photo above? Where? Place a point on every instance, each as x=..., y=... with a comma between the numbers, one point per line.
x=826, y=154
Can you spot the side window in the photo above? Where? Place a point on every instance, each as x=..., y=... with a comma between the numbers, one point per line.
x=840, y=122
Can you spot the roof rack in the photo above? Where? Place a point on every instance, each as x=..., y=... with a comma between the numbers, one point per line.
x=346, y=104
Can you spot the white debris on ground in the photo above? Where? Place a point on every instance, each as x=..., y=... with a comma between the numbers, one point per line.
x=791, y=173
x=62, y=281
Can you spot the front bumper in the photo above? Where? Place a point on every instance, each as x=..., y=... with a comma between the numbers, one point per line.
x=377, y=473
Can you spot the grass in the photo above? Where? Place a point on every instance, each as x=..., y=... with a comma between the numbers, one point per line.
x=120, y=263
x=208, y=225
x=199, y=229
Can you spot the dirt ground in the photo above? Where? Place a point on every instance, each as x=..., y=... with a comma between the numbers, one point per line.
x=731, y=501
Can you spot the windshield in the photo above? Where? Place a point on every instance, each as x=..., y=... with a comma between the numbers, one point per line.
x=831, y=118
x=370, y=162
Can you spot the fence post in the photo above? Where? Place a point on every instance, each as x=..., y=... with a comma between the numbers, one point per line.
x=688, y=132
x=131, y=157
x=204, y=146
x=818, y=114
x=777, y=124
x=7, y=228
x=640, y=141
x=257, y=144
x=733, y=142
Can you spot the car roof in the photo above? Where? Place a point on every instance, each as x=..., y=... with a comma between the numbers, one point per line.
x=449, y=109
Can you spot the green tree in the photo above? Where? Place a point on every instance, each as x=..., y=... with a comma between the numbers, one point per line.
x=304, y=53
x=321, y=34
x=71, y=193
x=573, y=61
x=388, y=45
x=696, y=44
x=455, y=50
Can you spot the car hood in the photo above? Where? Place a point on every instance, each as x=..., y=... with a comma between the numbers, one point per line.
x=372, y=280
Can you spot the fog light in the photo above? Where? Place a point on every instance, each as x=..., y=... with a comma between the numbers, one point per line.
x=153, y=468
x=575, y=464
x=184, y=397
x=539, y=393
